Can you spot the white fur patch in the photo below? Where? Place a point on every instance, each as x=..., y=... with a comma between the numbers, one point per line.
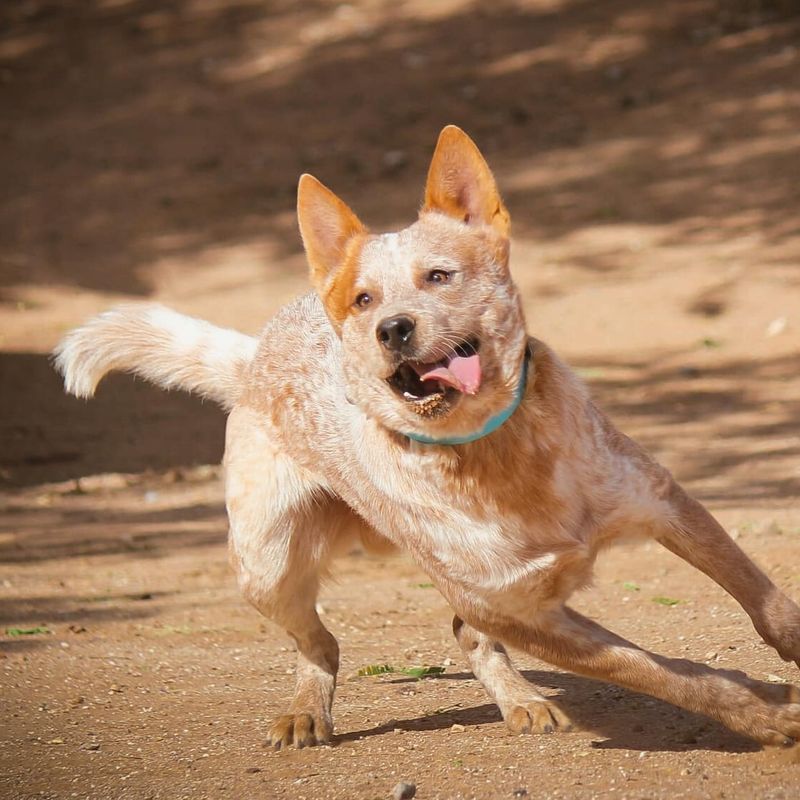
x=186, y=333
x=166, y=348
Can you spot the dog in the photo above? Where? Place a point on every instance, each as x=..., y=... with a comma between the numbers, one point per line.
x=403, y=402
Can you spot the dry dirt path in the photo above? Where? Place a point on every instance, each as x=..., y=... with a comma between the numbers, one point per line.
x=649, y=158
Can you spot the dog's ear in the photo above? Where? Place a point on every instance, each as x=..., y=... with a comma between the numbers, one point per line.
x=461, y=185
x=327, y=225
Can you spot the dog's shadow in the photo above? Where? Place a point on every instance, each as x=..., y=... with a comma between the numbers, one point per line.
x=619, y=718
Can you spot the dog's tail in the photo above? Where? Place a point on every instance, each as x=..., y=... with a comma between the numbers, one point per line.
x=166, y=348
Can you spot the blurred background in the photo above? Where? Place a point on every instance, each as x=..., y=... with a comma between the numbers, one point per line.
x=649, y=153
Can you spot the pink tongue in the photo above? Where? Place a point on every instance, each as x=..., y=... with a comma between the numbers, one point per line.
x=462, y=373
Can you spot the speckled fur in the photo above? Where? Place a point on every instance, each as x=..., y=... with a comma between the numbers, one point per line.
x=507, y=527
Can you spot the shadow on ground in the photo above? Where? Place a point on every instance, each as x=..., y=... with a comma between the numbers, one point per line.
x=621, y=719
x=140, y=131
x=739, y=414
x=128, y=427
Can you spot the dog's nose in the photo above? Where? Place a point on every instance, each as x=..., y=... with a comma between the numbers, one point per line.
x=395, y=332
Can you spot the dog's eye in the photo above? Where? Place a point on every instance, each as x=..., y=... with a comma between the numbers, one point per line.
x=438, y=276
x=363, y=300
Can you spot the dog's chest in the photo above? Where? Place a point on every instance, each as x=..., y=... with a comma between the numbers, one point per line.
x=461, y=527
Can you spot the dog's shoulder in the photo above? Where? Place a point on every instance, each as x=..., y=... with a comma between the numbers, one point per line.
x=297, y=343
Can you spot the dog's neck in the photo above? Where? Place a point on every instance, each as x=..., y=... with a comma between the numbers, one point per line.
x=493, y=423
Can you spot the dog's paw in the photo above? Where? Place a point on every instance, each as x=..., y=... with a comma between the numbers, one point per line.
x=536, y=716
x=782, y=727
x=300, y=730
x=769, y=713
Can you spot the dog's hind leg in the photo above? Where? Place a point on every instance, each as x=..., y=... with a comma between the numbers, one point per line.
x=524, y=710
x=697, y=537
x=282, y=527
x=766, y=712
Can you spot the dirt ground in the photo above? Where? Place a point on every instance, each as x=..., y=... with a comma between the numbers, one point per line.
x=650, y=156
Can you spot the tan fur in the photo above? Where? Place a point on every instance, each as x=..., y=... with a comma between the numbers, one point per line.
x=507, y=526
x=340, y=291
x=332, y=236
x=461, y=185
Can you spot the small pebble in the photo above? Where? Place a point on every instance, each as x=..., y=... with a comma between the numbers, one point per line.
x=776, y=327
x=404, y=791
x=457, y=727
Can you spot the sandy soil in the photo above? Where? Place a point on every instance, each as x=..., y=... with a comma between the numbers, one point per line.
x=649, y=157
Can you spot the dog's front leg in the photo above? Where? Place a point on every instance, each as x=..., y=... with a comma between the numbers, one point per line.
x=524, y=710
x=281, y=531
x=286, y=594
x=308, y=720
x=766, y=712
x=697, y=537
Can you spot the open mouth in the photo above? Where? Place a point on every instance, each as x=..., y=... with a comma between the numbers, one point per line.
x=458, y=372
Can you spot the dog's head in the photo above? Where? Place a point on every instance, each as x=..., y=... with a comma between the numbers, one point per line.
x=430, y=321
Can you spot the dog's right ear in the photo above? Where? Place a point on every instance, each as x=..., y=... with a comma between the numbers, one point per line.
x=327, y=226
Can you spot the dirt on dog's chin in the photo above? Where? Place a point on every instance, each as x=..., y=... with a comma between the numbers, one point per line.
x=434, y=405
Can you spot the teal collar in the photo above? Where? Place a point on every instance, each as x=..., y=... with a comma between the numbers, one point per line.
x=492, y=424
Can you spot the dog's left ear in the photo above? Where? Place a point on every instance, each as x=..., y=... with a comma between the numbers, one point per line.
x=461, y=185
